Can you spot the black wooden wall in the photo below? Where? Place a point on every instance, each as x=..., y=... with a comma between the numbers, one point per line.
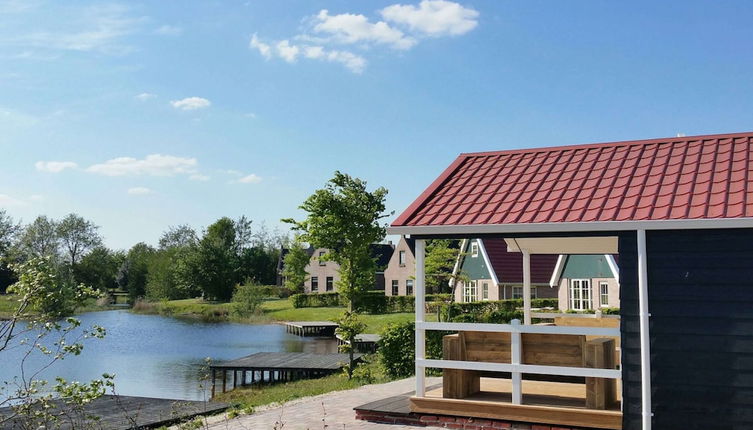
x=701, y=326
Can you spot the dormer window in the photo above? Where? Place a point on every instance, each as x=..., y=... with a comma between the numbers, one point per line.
x=474, y=249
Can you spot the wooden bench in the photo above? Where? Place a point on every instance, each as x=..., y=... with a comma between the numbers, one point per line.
x=540, y=349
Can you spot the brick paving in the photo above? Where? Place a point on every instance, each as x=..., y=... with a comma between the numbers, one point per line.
x=331, y=411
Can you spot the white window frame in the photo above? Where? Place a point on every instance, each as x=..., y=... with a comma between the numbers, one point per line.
x=314, y=283
x=401, y=258
x=470, y=291
x=583, y=300
x=604, y=293
x=519, y=288
x=409, y=287
x=474, y=249
x=329, y=283
x=395, y=287
x=485, y=290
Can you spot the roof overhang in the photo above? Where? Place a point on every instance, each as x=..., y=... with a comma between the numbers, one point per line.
x=570, y=227
x=564, y=245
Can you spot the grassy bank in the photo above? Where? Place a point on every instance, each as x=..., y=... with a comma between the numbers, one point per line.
x=9, y=304
x=271, y=311
x=249, y=398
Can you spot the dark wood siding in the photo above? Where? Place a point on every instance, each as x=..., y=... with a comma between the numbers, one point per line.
x=701, y=305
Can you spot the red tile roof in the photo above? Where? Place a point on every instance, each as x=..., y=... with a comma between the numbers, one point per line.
x=509, y=265
x=661, y=179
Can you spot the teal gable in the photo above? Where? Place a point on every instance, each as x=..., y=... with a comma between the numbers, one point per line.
x=475, y=267
x=586, y=266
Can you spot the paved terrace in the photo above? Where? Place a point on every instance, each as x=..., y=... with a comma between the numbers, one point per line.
x=326, y=411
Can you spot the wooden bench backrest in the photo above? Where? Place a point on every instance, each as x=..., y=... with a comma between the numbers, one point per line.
x=541, y=349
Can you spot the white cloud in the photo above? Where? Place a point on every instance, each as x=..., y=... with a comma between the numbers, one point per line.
x=199, y=177
x=286, y=51
x=249, y=179
x=401, y=27
x=290, y=53
x=139, y=191
x=145, y=96
x=96, y=28
x=191, y=103
x=14, y=118
x=54, y=166
x=152, y=165
x=354, y=28
x=264, y=49
x=169, y=30
x=433, y=17
x=250, y=115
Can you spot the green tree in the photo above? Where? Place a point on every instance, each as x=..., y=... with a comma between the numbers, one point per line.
x=41, y=239
x=182, y=236
x=26, y=402
x=258, y=265
x=294, y=267
x=168, y=274
x=9, y=231
x=214, y=265
x=77, y=236
x=441, y=256
x=349, y=326
x=132, y=275
x=345, y=218
x=99, y=268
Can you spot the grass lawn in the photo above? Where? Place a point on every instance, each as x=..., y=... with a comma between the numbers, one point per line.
x=272, y=310
x=9, y=304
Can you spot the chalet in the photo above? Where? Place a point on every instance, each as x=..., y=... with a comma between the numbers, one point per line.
x=398, y=276
x=323, y=275
x=491, y=272
x=677, y=211
x=586, y=282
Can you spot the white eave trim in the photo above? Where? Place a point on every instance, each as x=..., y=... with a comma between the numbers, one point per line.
x=456, y=268
x=557, y=271
x=566, y=227
x=613, y=266
x=488, y=263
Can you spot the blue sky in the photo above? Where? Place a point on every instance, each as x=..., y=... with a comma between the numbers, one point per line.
x=144, y=115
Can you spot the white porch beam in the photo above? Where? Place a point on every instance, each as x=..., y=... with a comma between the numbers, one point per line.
x=526, y=287
x=644, y=326
x=420, y=295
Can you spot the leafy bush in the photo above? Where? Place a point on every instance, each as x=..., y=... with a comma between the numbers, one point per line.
x=397, y=352
x=316, y=300
x=372, y=302
x=482, y=310
x=247, y=298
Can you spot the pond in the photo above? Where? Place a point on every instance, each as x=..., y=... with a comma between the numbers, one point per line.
x=157, y=356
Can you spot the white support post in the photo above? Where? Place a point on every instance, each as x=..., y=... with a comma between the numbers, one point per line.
x=420, y=291
x=516, y=358
x=526, y=287
x=644, y=326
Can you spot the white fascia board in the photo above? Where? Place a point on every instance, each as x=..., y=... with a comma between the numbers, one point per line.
x=557, y=271
x=492, y=272
x=574, y=227
x=613, y=266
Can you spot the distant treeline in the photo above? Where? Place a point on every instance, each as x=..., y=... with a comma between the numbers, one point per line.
x=185, y=264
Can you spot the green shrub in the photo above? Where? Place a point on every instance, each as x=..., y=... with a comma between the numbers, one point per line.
x=316, y=300
x=480, y=310
x=397, y=352
x=247, y=298
x=610, y=311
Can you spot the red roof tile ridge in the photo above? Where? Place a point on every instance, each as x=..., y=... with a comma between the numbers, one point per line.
x=608, y=144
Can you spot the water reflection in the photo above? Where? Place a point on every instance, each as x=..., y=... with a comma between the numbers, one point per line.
x=157, y=356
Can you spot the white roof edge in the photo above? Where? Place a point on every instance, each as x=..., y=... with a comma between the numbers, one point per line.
x=555, y=280
x=487, y=261
x=613, y=266
x=457, y=261
x=566, y=227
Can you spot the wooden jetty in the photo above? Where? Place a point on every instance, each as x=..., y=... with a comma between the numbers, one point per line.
x=366, y=343
x=311, y=328
x=273, y=367
x=127, y=412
